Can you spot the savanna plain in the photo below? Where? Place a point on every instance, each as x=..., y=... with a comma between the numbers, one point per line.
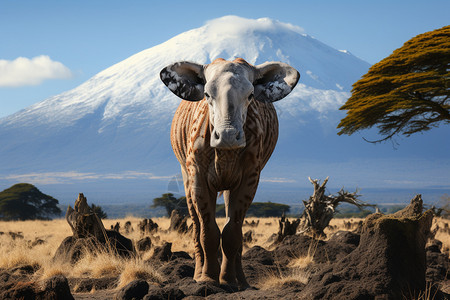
x=31, y=245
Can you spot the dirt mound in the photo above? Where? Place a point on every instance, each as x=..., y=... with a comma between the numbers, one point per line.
x=259, y=255
x=437, y=262
x=158, y=293
x=339, y=245
x=164, y=254
x=389, y=261
x=178, y=222
x=177, y=269
x=144, y=244
x=258, y=263
x=136, y=289
x=72, y=248
x=87, y=285
x=17, y=284
x=89, y=235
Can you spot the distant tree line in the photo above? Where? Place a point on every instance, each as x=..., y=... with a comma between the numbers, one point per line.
x=257, y=209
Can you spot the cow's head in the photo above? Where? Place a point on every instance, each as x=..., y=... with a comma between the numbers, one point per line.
x=229, y=88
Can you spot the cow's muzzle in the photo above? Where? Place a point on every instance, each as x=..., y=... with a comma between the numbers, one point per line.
x=227, y=138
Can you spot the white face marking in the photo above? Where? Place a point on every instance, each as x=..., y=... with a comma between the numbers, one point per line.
x=228, y=90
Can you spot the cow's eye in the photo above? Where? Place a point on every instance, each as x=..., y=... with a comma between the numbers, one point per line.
x=207, y=95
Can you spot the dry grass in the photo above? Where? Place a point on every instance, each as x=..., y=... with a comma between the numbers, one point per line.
x=136, y=269
x=304, y=261
x=297, y=272
x=16, y=252
x=428, y=294
x=262, y=233
x=277, y=280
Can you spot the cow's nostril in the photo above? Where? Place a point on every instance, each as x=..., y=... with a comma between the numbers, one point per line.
x=216, y=135
x=238, y=136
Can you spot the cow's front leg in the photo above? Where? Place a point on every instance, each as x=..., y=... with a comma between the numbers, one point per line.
x=236, y=203
x=205, y=202
x=198, y=250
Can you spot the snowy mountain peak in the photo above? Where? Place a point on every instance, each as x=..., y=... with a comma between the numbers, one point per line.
x=132, y=87
x=122, y=114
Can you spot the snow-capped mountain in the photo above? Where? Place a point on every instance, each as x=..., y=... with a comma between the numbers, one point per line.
x=119, y=119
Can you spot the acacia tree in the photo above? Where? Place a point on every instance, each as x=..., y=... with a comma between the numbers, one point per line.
x=98, y=210
x=170, y=202
x=23, y=201
x=405, y=93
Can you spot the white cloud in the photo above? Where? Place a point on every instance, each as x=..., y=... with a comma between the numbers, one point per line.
x=71, y=176
x=234, y=25
x=277, y=180
x=24, y=71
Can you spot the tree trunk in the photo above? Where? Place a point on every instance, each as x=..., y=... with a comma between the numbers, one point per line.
x=320, y=208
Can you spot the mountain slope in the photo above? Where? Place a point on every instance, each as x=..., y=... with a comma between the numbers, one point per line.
x=120, y=118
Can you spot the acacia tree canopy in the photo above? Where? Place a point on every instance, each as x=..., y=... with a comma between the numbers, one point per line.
x=170, y=202
x=98, y=210
x=405, y=93
x=23, y=201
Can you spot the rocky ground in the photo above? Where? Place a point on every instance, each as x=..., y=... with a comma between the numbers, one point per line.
x=331, y=276
x=387, y=257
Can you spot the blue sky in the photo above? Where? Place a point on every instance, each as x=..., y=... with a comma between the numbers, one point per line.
x=77, y=39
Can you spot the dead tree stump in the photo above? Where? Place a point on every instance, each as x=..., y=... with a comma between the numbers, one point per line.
x=286, y=228
x=320, y=208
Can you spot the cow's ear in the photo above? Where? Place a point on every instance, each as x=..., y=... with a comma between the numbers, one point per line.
x=274, y=81
x=185, y=79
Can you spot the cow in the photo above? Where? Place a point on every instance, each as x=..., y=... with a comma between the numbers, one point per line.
x=223, y=135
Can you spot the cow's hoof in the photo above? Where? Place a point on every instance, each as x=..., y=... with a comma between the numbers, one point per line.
x=208, y=280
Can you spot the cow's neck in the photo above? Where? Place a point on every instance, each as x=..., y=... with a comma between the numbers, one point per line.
x=226, y=164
